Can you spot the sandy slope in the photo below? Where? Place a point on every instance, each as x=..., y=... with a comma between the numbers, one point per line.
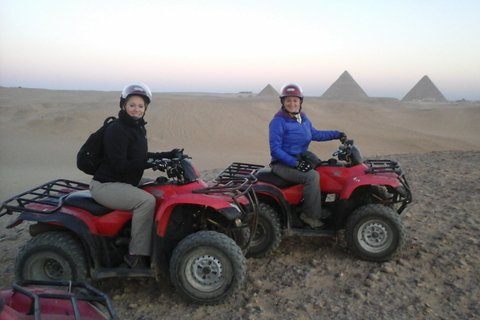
x=41, y=130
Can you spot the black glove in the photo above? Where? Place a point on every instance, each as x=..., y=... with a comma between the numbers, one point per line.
x=342, y=136
x=303, y=166
x=175, y=153
x=157, y=164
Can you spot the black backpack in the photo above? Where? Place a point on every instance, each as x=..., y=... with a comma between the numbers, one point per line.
x=91, y=153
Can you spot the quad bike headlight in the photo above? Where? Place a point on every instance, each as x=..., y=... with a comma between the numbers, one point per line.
x=238, y=223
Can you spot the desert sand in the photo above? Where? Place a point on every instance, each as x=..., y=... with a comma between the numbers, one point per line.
x=42, y=130
x=437, y=143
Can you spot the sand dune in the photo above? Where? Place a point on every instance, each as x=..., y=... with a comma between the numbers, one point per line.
x=42, y=130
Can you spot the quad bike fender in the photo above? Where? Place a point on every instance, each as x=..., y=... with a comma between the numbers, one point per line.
x=366, y=180
x=268, y=191
x=221, y=203
x=66, y=222
x=62, y=218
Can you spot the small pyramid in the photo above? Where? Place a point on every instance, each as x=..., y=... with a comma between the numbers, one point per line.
x=268, y=91
x=345, y=88
x=425, y=90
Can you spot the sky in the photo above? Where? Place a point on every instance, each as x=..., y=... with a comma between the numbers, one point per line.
x=229, y=46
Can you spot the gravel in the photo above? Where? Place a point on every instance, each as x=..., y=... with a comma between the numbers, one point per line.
x=436, y=276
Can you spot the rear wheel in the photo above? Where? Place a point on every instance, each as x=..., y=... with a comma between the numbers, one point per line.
x=52, y=256
x=207, y=267
x=268, y=233
x=375, y=233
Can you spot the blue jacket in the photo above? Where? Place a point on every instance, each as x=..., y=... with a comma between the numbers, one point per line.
x=288, y=138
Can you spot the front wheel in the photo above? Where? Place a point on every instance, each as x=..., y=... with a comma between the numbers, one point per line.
x=207, y=267
x=375, y=233
x=52, y=256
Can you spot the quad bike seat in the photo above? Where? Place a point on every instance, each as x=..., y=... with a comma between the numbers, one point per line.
x=266, y=175
x=84, y=200
x=332, y=163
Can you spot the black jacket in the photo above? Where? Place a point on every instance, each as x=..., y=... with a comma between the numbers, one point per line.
x=125, y=151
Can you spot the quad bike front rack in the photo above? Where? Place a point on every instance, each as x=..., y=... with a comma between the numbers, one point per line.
x=237, y=186
x=404, y=196
x=239, y=170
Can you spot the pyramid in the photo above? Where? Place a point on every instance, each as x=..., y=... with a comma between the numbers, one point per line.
x=268, y=91
x=425, y=90
x=345, y=88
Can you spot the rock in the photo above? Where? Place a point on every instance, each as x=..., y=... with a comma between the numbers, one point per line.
x=360, y=296
x=404, y=263
x=258, y=283
x=387, y=269
x=369, y=283
x=373, y=277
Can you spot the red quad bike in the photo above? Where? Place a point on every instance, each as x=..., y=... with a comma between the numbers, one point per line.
x=365, y=198
x=196, y=223
x=51, y=300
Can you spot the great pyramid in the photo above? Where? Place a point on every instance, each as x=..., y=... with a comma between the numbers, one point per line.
x=268, y=92
x=345, y=88
x=425, y=90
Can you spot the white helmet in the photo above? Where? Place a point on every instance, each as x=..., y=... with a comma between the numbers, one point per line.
x=138, y=89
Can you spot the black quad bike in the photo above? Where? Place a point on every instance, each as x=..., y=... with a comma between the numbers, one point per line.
x=196, y=223
x=366, y=198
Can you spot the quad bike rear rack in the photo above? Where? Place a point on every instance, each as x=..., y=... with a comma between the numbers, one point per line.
x=88, y=294
x=46, y=198
x=239, y=170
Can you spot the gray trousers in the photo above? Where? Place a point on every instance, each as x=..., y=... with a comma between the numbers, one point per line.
x=312, y=198
x=124, y=196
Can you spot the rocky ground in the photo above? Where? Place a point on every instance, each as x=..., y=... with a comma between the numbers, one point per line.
x=437, y=275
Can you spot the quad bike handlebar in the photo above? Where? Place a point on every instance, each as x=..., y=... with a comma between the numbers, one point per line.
x=349, y=152
x=179, y=168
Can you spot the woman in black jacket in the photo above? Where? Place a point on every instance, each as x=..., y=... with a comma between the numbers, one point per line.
x=115, y=183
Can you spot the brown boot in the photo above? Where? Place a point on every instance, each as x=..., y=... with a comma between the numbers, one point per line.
x=135, y=261
x=313, y=223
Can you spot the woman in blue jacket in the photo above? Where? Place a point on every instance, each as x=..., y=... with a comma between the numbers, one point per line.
x=290, y=134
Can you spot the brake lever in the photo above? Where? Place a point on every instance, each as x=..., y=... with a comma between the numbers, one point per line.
x=340, y=150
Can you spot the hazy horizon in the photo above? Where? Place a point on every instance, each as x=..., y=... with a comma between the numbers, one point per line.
x=228, y=47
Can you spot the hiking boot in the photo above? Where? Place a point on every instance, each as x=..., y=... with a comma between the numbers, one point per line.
x=313, y=223
x=134, y=261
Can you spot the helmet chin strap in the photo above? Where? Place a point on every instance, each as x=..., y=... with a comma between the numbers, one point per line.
x=292, y=114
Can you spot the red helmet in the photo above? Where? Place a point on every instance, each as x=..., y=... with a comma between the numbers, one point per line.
x=291, y=90
x=139, y=89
